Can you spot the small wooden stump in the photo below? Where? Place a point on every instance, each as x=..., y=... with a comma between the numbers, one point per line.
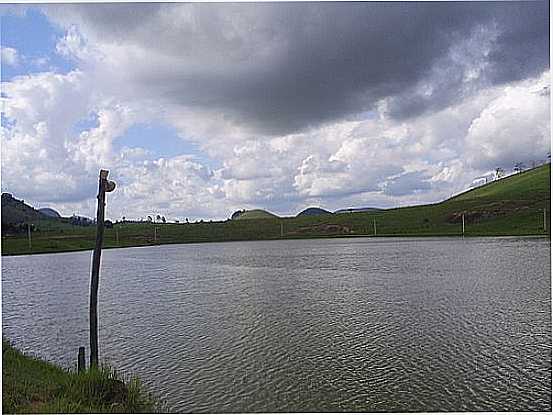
x=81, y=365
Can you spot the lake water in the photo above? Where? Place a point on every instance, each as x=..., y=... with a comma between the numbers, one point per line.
x=381, y=324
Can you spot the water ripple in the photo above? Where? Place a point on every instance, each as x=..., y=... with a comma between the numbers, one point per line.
x=358, y=325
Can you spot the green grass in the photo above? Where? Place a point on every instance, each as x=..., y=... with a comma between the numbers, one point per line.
x=531, y=185
x=256, y=214
x=30, y=385
x=510, y=206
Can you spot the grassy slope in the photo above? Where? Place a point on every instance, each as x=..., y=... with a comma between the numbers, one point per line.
x=511, y=206
x=30, y=385
x=14, y=210
x=256, y=214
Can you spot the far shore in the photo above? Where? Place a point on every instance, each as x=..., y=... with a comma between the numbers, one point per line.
x=58, y=251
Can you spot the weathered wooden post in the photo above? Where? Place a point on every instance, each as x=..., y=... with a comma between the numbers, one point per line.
x=104, y=186
x=463, y=224
x=374, y=224
x=29, y=235
x=80, y=361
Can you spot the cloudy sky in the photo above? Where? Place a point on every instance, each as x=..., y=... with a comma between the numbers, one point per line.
x=201, y=109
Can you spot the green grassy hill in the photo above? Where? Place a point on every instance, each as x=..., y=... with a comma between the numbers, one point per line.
x=531, y=185
x=17, y=211
x=256, y=214
x=510, y=206
x=314, y=211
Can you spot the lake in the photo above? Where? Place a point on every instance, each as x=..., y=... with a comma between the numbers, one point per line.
x=356, y=324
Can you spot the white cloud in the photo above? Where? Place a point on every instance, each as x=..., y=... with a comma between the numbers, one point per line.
x=9, y=56
x=40, y=109
x=514, y=127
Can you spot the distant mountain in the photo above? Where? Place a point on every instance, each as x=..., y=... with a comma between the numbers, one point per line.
x=17, y=211
x=253, y=214
x=50, y=212
x=314, y=211
x=363, y=209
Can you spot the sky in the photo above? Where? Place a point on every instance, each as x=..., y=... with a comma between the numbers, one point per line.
x=202, y=109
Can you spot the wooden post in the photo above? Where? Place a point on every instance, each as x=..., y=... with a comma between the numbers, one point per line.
x=155, y=234
x=463, y=224
x=281, y=229
x=29, y=235
x=104, y=185
x=374, y=224
x=116, y=236
x=81, y=365
x=545, y=219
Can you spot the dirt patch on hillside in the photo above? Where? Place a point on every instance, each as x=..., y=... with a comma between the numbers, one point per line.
x=324, y=228
x=489, y=211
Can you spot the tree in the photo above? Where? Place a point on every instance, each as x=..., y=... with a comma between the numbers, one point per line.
x=158, y=218
x=237, y=214
x=163, y=219
x=122, y=219
x=519, y=167
x=499, y=172
x=150, y=218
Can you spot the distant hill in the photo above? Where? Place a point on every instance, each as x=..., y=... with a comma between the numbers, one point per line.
x=253, y=214
x=17, y=211
x=50, y=212
x=363, y=209
x=313, y=211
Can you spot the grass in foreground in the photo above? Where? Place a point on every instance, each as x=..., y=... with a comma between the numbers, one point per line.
x=30, y=385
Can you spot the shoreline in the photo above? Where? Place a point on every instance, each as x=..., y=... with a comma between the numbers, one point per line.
x=59, y=251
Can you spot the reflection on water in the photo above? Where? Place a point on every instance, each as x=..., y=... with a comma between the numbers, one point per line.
x=391, y=324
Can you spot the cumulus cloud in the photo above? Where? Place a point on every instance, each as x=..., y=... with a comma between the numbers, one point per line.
x=9, y=56
x=512, y=127
x=40, y=110
x=335, y=104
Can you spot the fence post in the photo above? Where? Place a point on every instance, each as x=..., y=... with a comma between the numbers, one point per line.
x=104, y=185
x=81, y=366
x=29, y=235
x=463, y=224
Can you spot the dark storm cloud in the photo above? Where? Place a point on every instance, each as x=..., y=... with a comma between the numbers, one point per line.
x=284, y=67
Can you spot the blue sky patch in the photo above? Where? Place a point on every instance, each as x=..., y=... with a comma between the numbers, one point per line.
x=86, y=124
x=162, y=141
x=34, y=38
